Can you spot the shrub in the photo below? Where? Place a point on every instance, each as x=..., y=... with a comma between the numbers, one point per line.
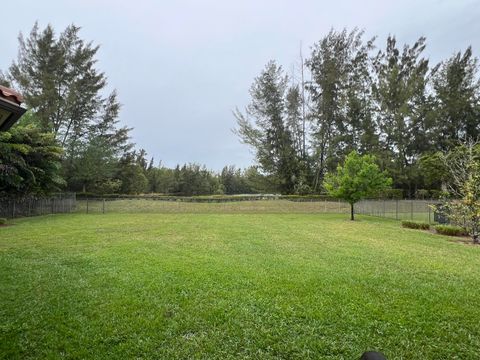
x=3, y=221
x=415, y=225
x=439, y=194
x=450, y=230
x=422, y=194
x=394, y=194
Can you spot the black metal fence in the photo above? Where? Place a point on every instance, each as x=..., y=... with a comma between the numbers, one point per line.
x=33, y=206
x=420, y=210
x=152, y=205
x=417, y=210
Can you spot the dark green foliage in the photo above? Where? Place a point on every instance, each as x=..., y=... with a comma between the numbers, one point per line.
x=415, y=225
x=3, y=221
x=131, y=174
x=389, y=102
x=400, y=92
x=340, y=92
x=234, y=181
x=194, y=179
x=65, y=94
x=29, y=162
x=395, y=194
x=450, y=230
x=432, y=166
x=58, y=77
x=457, y=100
x=274, y=135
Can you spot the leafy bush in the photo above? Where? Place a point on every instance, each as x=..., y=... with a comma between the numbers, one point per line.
x=439, y=194
x=3, y=221
x=450, y=230
x=312, y=197
x=394, y=194
x=415, y=225
x=422, y=194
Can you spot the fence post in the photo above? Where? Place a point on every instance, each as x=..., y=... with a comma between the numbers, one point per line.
x=429, y=219
x=103, y=206
x=384, y=208
x=87, y=205
x=396, y=209
x=13, y=208
x=411, y=210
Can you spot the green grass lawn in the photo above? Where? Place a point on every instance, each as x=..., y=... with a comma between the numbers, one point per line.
x=220, y=286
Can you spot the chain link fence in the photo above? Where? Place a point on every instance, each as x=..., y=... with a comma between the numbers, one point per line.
x=138, y=205
x=416, y=210
x=33, y=206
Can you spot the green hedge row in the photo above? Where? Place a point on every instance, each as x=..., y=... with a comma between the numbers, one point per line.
x=415, y=225
x=208, y=198
x=450, y=230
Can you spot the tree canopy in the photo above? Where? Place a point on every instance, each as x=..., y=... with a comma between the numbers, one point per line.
x=358, y=178
x=387, y=101
x=29, y=162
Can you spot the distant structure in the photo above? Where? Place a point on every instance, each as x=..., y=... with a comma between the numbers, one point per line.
x=10, y=109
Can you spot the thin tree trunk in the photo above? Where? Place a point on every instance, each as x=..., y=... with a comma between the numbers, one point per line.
x=304, y=151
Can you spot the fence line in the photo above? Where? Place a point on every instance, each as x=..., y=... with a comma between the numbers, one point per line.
x=33, y=206
x=106, y=205
x=417, y=210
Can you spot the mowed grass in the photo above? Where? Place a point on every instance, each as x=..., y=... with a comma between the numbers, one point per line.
x=225, y=286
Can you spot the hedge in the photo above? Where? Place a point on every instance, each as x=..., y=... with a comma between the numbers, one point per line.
x=450, y=230
x=209, y=198
x=415, y=225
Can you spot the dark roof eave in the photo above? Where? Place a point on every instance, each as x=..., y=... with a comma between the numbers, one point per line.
x=16, y=111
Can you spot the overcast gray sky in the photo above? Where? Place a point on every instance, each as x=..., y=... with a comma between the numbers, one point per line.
x=181, y=67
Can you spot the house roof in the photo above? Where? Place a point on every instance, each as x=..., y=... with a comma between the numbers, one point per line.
x=11, y=95
x=10, y=109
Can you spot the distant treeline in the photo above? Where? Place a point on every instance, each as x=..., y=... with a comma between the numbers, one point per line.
x=193, y=179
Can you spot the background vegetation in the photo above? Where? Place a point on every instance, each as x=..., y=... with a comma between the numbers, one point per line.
x=349, y=93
